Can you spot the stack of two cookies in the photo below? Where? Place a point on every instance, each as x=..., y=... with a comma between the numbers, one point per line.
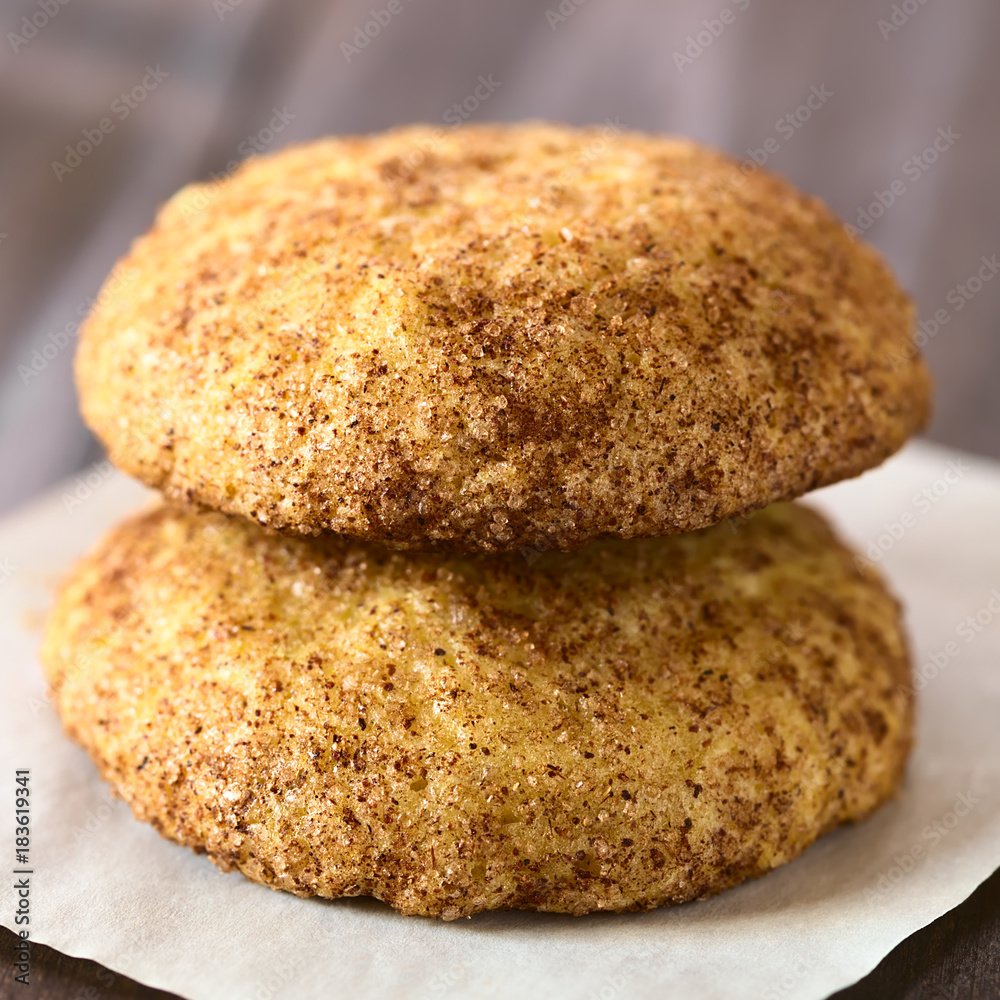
x=436, y=610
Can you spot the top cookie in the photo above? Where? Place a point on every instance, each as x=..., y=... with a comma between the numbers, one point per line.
x=498, y=337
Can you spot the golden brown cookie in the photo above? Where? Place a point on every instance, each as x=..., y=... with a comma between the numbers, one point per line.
x=499, y=337
x=505, y=336
x=625, y=726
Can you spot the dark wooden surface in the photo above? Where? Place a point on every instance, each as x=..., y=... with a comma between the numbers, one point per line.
x=955, y=958
x=55, y=976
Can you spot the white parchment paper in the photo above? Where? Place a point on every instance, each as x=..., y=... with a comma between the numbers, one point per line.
x=108, y=888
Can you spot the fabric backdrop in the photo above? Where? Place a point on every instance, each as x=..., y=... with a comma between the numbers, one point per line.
x=888, y=111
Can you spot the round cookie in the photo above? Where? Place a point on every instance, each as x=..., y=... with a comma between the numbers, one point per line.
x=498, y=337
x=629, y=725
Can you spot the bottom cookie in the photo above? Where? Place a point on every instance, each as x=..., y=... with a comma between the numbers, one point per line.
x=616, y=728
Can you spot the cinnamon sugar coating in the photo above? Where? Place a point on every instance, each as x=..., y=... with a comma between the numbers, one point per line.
x=505, y=336
x=621, y=727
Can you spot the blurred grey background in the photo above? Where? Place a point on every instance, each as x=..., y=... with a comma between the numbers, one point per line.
x=886, y=110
